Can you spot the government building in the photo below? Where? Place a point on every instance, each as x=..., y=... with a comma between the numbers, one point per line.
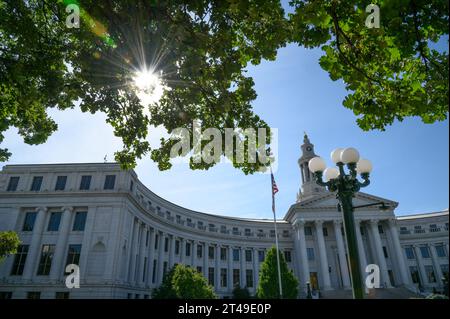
x=124, y=237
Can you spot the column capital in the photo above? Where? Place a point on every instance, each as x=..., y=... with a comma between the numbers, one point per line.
x=42, y=209
x=299, y=223
x=337, y=222
x=374, y=222
x=67, y=208
x=358, y=221
x=318, y=222
x=392, y=221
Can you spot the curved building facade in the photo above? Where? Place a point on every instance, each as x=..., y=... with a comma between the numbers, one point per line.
x=124, y=237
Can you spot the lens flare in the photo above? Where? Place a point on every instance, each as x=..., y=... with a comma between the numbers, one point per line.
x=149, y=86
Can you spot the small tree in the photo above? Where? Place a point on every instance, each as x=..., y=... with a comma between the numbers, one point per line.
x=268, y=287
x=240, y=293
x=9, y=241
x=183, y=282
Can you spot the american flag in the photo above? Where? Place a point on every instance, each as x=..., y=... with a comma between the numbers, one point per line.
x=274, y=190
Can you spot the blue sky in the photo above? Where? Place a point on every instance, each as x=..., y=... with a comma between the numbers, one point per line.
x=294, y=95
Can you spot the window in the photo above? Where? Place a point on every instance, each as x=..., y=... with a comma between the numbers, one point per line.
x=287, y=256
x=211, y=252
x=310, y=253
x=248, y=255
x=249, y=277
x=131, y=186
x=385, y=252
x=34, y=295
x=110, y=180
x=414, y=274
x=211, y=276
x=261, y=256
x=54, y=221
x=440, y=250
x=144, y=272
x=85, y=182
x=28, y=223
x=73, y=255
x=325, y=231
x=308, y=231
x=12, y=185
x=223, y=277
x=177, y=247
x=235, y=231
x=166, y=244
x=19, y=260
x=45, y=262
x=236, y=277
x=62, y=295
x=154, y=271
x=235, y=254
x=199, y=269
x=188, y=249
x=60, y=183
x=272, y=233
x=165, y=264
x=36, y=184
x=80, y=221
x=430, y=273
x=199, y=251
x=425, y=252
x=380, y=229
x=409, y=251
x=156, y=241
x=444, y=269
x=223, y=253
x=5, y=295
x=147, y=236
x=247, y=232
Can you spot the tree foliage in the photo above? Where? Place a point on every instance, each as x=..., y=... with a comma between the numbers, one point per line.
x=391, y=72
x=241, y=293
x=268, y=287
x=203, y=48
x=183, y=282
x=9, y=241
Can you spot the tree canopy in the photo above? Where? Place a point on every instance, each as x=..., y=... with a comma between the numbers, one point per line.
x=183, y=282
x=268, y=286
x=9, y=241
x=201, y=49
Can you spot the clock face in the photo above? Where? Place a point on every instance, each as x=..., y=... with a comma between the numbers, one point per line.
x=309, y=148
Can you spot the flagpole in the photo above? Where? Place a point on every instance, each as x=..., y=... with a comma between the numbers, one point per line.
x=276, y=237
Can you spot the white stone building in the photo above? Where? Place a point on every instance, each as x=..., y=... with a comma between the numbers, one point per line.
x=124, y=237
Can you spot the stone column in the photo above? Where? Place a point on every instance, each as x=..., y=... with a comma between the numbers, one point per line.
x=255, y=268
x=361, y=251
x=243, y=281
x=151, y=256
x=323, y=255
x=183, y=251
x=380, y=254
x=341, y=252
x=160, y=258
x=35, y=244
x=140, y=274
x=303, y=261
x=423, y=273
x=404, y=272
x=58, y=266
x=205, y=260
x=134, y=234
x=172, y=251
x=437, y=266
x=230, y=269
x=193, y=252
x=217, y=266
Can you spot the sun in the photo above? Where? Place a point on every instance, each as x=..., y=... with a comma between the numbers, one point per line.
x=149, y=86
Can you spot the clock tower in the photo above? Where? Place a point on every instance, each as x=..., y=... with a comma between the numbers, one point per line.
x=309, y=186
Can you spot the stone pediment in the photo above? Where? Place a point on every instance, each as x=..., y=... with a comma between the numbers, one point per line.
x=328, y=202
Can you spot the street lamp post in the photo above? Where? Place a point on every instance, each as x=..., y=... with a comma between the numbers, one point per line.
x=345, y=186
